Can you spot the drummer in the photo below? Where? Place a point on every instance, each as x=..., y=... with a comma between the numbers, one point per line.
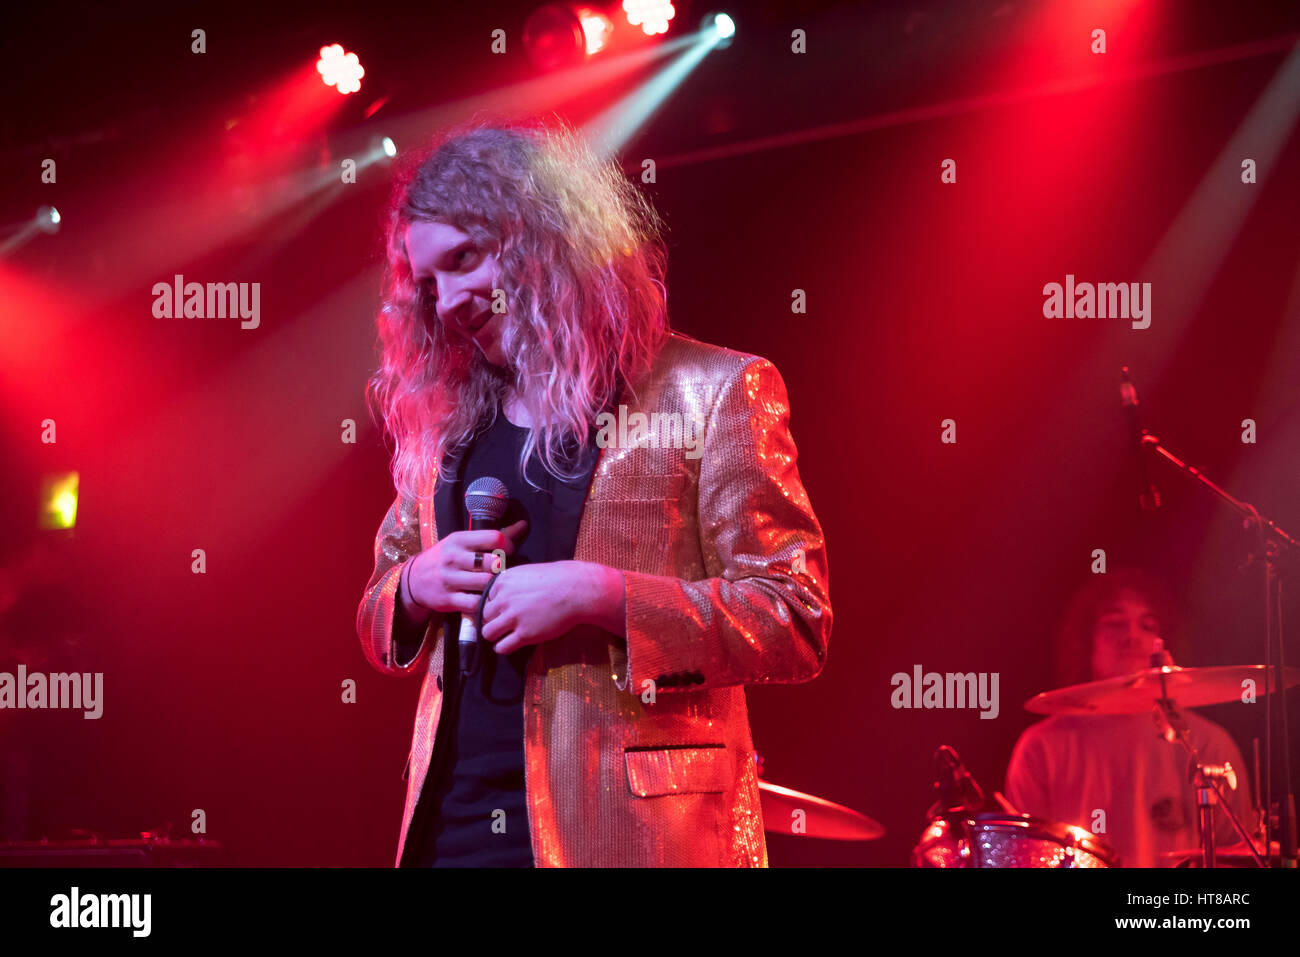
x=1114, y=774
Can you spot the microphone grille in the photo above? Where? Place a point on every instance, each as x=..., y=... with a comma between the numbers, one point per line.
x=486, y=498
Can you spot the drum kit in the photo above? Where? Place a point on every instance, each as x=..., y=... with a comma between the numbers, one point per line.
x=960, y=833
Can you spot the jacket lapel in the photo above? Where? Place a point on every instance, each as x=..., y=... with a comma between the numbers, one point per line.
x=593, y=459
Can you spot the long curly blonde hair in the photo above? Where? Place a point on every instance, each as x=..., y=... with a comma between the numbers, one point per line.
x=582, y=263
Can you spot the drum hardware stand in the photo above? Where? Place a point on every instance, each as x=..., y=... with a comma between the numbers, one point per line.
x=1274, y=543
x=1205, y=778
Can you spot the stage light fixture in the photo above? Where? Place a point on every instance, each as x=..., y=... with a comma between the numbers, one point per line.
x=554, y=37
x=719, y=29
x=388, y=146
x=596, y=28
x=651, y=16
x=340, y=69
x=48, y=219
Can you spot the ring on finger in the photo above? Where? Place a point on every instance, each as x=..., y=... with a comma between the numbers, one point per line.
x=478, y=561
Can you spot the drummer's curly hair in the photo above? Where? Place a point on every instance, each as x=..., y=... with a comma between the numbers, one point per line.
x=1074, y=637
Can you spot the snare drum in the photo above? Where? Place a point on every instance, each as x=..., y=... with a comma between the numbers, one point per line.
x=1008, y=840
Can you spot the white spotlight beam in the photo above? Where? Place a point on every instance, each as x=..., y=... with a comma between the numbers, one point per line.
x=611, y=130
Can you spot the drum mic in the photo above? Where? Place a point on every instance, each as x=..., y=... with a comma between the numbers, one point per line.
x=958, y=791
x=486, y=500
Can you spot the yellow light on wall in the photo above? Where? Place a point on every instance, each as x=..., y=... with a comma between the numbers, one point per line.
x=59, y=500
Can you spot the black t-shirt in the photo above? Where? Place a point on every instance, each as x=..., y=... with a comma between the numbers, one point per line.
x=476, y=815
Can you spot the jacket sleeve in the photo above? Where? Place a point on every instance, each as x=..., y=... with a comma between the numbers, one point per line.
x=386, y=646
x=763, y=615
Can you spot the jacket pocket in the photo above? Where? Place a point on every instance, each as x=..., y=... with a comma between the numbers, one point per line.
x=694, y=769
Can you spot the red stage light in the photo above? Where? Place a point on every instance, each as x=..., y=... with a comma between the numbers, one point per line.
x=338, y=69
x=651, y=16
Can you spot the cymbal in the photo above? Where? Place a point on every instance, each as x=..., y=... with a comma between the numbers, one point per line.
x=821, y=818
x=1137, y=693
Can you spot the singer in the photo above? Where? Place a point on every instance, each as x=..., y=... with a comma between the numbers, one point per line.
x=603, y=723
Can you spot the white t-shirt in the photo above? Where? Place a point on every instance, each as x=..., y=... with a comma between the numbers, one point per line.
x=1068, y=768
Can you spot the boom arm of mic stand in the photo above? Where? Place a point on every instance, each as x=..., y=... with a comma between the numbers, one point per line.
x=1274, y=543
x=1245, y=509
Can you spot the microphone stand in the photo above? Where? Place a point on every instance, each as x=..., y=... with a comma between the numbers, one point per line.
x=1274, y=543
x=1205, y=778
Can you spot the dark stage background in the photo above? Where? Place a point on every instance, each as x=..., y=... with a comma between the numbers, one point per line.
x=776, y=171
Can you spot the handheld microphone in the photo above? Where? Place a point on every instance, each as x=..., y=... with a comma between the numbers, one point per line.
x=486, y=500
x=1148, y=494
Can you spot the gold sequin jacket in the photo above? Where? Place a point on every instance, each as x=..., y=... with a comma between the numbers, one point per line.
x=638, y=752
